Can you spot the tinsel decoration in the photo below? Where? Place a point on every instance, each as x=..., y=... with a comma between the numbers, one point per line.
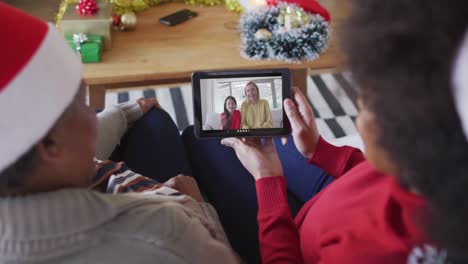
x=234, y=5
x=123, y=6
x=303, y=38
x=87, y=7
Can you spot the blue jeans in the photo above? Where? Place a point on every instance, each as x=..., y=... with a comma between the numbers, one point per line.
x=154, y=148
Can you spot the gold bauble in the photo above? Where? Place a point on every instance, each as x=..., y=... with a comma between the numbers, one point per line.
x=263, y=33
x=128, y=21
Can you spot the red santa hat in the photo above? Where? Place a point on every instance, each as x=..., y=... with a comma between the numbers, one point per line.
x=460, y=87
x=311, y=6
x=39, y=77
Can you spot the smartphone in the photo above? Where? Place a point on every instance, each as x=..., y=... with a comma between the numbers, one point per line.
x=177, y=17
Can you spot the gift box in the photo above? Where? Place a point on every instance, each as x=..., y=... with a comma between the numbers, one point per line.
x=98, y=24
x=89, y=49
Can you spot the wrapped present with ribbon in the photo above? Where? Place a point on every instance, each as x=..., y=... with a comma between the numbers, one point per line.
x=89, y=47
x=93, y=24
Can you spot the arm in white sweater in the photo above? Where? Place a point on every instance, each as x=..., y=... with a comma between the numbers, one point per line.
x=196, y=244
x=112, y=124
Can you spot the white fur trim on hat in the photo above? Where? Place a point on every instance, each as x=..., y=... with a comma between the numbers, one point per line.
x=37, y=96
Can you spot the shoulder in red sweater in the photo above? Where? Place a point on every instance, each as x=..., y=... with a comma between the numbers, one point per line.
x=361, y=217
x=235, y=120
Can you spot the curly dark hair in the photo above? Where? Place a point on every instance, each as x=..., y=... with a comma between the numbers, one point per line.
x=401, y=53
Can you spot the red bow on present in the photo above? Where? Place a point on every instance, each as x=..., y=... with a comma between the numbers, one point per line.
x=87, y=7
x=310, y=6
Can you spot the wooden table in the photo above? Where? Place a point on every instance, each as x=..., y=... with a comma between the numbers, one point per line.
x=156, y=54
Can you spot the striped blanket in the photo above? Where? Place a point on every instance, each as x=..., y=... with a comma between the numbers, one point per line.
x=115, y=177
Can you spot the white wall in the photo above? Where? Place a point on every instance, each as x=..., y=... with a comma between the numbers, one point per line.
x=246, y=79
x=207, y=93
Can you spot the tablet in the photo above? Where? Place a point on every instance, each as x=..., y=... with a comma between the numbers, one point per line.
x=241, y=103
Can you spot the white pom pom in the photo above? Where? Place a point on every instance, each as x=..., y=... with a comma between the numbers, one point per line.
x=460, y=80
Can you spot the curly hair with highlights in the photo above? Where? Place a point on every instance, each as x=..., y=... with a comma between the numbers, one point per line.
x=401, y=53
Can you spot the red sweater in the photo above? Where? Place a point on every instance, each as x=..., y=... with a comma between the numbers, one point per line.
x=361, y=217
x=235, y=120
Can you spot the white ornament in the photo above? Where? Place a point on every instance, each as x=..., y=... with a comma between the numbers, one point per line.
x=263, y=33
x=427, y=254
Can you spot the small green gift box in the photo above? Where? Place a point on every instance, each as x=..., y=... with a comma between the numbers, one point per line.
x=98, y=24
x=88, y=46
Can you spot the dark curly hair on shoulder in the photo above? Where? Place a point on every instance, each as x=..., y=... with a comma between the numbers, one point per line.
x=401, y=53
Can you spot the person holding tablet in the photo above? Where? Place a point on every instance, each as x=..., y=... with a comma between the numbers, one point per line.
x=405, y=200
x=255, y=111
x=231, y=117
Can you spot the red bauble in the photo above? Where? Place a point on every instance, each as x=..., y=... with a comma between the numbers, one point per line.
x=87, y=7
x=115, y=20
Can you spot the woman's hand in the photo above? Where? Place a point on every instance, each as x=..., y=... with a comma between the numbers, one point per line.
x=186, y=185
x=147, y=104
x=260, y=159
x=304, y=129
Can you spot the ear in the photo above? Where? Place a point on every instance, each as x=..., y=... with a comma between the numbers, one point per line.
x=49, y=148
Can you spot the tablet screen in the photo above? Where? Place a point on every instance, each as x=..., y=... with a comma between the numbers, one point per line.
x=247, y=103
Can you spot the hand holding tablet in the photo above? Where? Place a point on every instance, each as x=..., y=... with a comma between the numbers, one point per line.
x=245, y=103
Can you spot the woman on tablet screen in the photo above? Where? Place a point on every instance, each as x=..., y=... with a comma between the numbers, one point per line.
x=231, y=117
x=255, y=111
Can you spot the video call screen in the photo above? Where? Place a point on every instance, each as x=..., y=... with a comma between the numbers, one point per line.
x=242, y=104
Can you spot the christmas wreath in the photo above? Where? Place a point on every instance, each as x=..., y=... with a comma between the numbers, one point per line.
x=284, y=31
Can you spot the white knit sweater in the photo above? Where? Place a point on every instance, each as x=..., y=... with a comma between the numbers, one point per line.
x=85, y=226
